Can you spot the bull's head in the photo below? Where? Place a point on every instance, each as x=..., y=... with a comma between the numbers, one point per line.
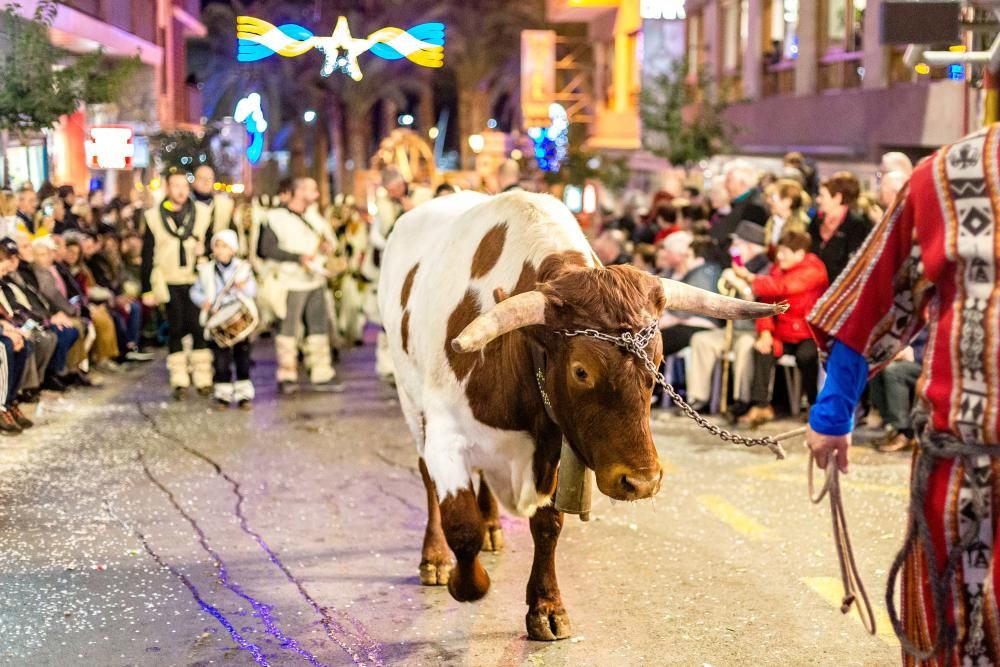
x=600, y=393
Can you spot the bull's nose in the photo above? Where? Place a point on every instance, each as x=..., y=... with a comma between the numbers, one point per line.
x=641, y=484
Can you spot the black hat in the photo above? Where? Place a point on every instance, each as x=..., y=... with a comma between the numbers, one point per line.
x=750, y=232
x=9, y=245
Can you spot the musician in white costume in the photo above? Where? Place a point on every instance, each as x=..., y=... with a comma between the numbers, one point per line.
x=176, y=233
x=223, y=281
x=298, y=239
x=394, y=199
x=221, y=207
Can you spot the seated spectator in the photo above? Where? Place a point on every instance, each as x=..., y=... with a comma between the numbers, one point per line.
x=746, y=202
x=610, y=248
x=58, y=286
x=55, y=313
x=685, y=255
x=799, y=278
x=70, y=221
x=892, y=395
x=662, y=222
x=707, y=347
x=44, y=339
x=838, y=229
x=644, y=258
x=789, y=203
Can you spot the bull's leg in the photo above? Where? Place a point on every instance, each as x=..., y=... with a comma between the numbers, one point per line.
x=493, y=534
x=463, y=529
x=547, y=619
x=435, y=560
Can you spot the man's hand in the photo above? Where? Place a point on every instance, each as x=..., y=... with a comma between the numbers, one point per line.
x=306, y=260
x=149, y=300
x=825, y=446
x=742, y=274
x=764, y=343
x=61, y=320
x=207, y=306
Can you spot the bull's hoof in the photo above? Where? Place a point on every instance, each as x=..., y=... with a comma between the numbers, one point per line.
x=469, y=584
x=493, y=539
x=548, y=624
x=435, y=572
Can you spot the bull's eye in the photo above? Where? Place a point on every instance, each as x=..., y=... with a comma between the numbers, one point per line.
x=581, y=373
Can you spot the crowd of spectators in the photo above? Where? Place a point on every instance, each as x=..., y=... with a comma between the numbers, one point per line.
x=772, y=237
x=69, y=295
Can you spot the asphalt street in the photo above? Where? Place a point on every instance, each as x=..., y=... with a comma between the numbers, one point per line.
x=139, y=531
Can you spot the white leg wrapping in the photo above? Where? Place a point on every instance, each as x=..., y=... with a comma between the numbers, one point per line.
x=244, y=391
x=177, y=366
x=318, y=359
x=201, y=368
x=223, y=391
x=287, y=350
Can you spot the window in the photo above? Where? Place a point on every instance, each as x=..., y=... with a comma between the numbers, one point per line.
x=695, y=54
x=783, y=31
x=731, y=35
x=845, y=21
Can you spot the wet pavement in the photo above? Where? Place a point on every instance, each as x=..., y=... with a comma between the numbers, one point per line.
x=138, y=531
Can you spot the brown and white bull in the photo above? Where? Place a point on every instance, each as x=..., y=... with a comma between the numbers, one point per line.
x=472, y=292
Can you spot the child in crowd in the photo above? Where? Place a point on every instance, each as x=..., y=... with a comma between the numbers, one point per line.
x=220, y=282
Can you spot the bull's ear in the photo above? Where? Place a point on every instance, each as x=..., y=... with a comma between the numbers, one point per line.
x=521, y=310
x=681, y=296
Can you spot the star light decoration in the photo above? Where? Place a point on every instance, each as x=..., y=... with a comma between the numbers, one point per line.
x=249, y=113
x=422, y=44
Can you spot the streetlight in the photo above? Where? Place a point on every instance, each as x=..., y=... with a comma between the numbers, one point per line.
x=433, y=132
x=309, y=116
x=476, y=142
x=405, y=120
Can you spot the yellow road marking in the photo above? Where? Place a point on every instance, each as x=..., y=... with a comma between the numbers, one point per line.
x=733, y=517
x=774, y=472
x=832, y=591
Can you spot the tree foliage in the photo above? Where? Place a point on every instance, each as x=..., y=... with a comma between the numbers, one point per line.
x=40, y=82
x=682, y=120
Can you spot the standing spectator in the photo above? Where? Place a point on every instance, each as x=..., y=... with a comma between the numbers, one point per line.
x=27, y=207
x=745, y=202
x=69, y=221
x=661, y=222
x=838, y=229
x=799, y=278
x=805, y=166
x=788, y=202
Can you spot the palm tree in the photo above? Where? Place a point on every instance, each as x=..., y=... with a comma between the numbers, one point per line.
x=482, y=37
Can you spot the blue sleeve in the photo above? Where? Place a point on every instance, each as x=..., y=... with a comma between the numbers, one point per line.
x=846, y=377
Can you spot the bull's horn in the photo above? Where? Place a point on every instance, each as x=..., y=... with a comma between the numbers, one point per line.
x=518, y=311
x=681, y=296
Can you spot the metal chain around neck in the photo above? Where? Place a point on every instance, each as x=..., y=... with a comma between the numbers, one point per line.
x=636, y=343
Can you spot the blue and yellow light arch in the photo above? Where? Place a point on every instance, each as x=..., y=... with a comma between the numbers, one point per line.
x=422, y=44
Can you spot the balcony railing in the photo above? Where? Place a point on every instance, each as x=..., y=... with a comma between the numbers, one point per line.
x=840, y=71
x=779, y=78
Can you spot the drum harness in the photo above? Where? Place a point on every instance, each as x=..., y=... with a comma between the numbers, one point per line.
x=636, y=343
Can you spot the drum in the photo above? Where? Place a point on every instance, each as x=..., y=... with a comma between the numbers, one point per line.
x=232, y=322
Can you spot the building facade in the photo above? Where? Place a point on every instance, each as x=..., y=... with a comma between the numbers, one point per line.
x=813, y=76
x=158, y=99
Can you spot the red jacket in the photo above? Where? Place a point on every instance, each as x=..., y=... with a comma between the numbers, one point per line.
x=801, y=286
